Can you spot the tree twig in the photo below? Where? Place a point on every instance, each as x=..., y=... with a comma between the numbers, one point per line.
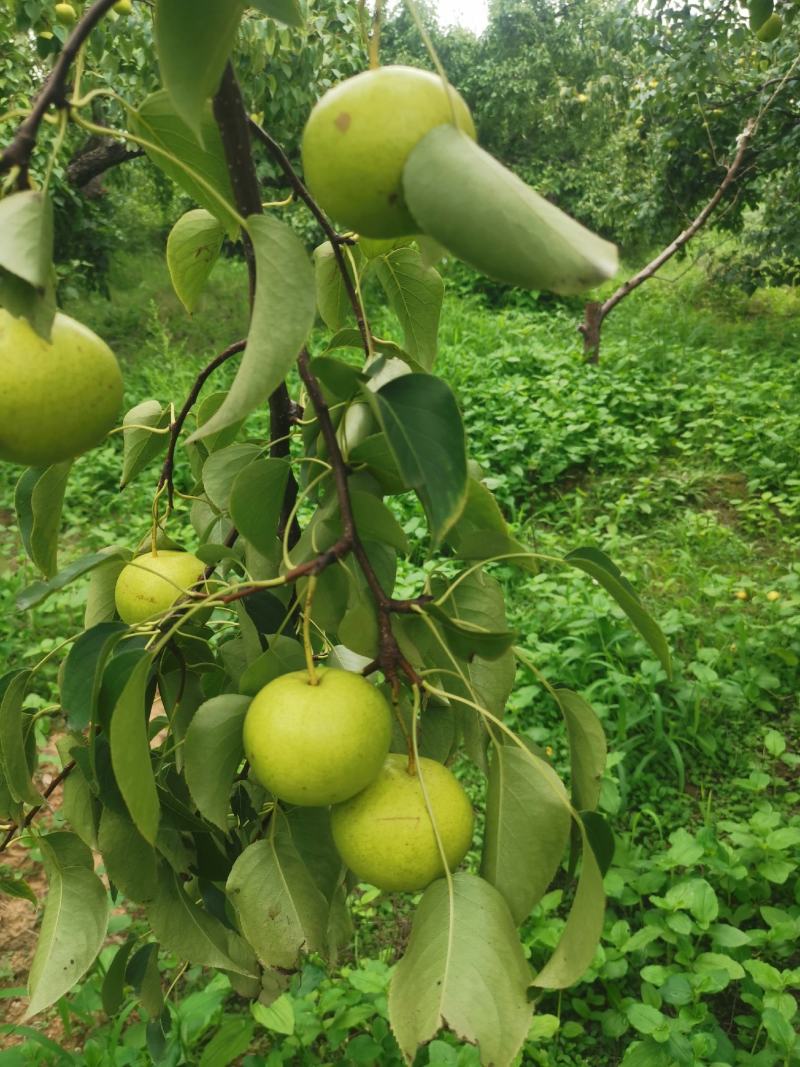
x=595, y=312
x=56, y=782
x=54, y=92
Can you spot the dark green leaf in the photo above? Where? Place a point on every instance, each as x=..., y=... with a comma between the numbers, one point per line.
x=601, y=568
x=193, y=40
x=422, y=423
x=467, y=640
x=488, y=217
x=415, y=293
x=23, y=301
x=283, y=655
x=38, y=500
x=13, y=759
x=339, y=378
x=222, y=468
x=113, y=989
x=288, y=11
x=16, y=887
x=83, y=671
x=587, y=748
x=140, y=447
x=464, y=968
x=527, y=827
x=157, y=122
x=129, y=860
x=256, y=501
x=37, y=592
x=481, y=532
x=283, y=316
x=600, y=838
x=214, y=740
x=130, y=751
x=332, y=298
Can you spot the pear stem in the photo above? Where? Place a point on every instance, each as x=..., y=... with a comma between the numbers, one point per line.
x=313, y=677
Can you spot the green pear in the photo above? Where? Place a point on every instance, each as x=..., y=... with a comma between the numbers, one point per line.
x=315, y=745
x=771, y=29
x=385, y=835
x=65, y=14
x=58, y=398
x=123, y=7
x=358, y=138
x=150, y=584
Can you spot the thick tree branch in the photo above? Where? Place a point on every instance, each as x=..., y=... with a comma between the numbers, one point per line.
x=595, y=313
x=54, y=92
x=96, y=159
x=337, y=240
x=231, y=116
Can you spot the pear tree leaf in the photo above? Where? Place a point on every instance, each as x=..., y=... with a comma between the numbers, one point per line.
x=256, y=502
x=78, y=803
x=17, y=887
x=193, y=247
x=157, y=122
x=221, y=469
x=38, y=501
x=333, y=301
x=193, y=40
x=74, y=924
x=190, y=932
x=26, y=236
x=422, y=424
x=13, y=758
x=214, y=739
x=83, y=671
x=488, y=217
x=606, y=573
x=130, y=862
x=288, y=11
x=24, y=301
x=280, y=908
x=283, y=655
x=482, y=533
x=468, y=640
x=283, y=316
x=464, y=968
x=35, y=593
x=415, y=294
x=527, y=827
x=587, y=748
x=140, y=446
x=130, y=750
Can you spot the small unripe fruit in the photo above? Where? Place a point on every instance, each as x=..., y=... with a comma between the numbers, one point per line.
x=771, y=30
x=315, y=745
x=58, y=398
x=359, y=136
x=150, y=584
x=65, y=14
x=123, y=7
x=385, y=836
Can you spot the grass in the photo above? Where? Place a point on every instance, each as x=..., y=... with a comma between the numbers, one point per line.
x=677, y=455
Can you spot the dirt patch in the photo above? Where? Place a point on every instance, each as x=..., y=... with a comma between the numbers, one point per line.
x=720, y=495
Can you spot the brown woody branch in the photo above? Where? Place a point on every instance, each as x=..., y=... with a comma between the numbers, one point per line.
x=56, y=782
x=165, y=478
x=596, y=312
x=336, y=239
x=54, y=93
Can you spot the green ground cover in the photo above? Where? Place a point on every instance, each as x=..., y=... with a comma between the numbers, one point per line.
x=677, y=455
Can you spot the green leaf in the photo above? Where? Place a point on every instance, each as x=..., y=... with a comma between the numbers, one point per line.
x=288, y=11
x=646, y=1019
x=129, y=860
x=600, y=567
x=283, y=316
x=26, y=236
x=38, y=500
x=230, y=1042
x=422, y=423
x=130, y=751
x=142, y=973
x=340, y=379
x=581, y=935
x=468, y=640
x=481, y=532
x=333, y=301
x=34, y=594
x=527, y=827
x=190, y=932
x=156, y=122
x=781, y=1031
x=415, y=293
x=140, y=446
x=464, y=968
x=23, y=301
x=13, y=759
x=214, y=740
x=17, y=887
x=256, y=502
x=222, y=468
x=193, y=247
x=379, y=461
x=283, y=655
x=281, y=911
x=278, y=1017
x=78, y=802
x=587, y=748
x=113, y=988
x=488, y=217
x=73, y=926
x=193, y=40
x=83, y=671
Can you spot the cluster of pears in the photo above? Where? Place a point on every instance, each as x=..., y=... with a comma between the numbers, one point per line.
x=66, y=14
x=58, y=398
x=328, y=744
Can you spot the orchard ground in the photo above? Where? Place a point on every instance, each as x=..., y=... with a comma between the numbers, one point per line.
x=678, y=456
